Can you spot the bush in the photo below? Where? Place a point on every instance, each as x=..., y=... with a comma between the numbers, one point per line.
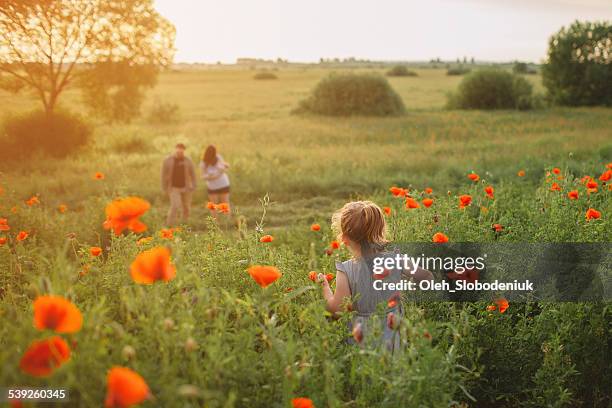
x=400, y=71
x=579, y=67
x=353, y=94
x=492, y=89
x=164, y=112
x=58, y=135
x=457, y=71
x=265, y=75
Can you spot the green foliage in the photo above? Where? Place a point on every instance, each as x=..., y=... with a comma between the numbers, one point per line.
x=460, y=70
x=492, y=89
x=265, y=75
x=400, y=71
x=353, y=94
x=58, y=135
x=579, y=67
x=163, y=113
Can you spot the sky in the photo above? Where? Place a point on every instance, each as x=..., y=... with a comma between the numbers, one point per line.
x=386, y=30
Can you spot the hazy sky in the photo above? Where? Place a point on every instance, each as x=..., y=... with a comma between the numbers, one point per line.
x=494, y=30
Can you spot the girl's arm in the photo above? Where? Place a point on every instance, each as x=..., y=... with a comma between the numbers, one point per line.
x=334, y=301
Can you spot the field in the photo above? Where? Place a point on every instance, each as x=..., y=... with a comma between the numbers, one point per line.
x=211, y=337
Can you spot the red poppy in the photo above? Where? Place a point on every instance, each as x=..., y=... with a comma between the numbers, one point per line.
x=315, y=227
x=22, y=236
x=4, y=225
x=3, y=240
x=210, y=205
x=264, y=275
x=473, y=176
x=57, y=313
x=411, y=203
x=32, y=201
x=125, y=388
x=491, y=308
x=427, y=202
x=387, y=210
x=266, y=238
x=393, y=301
x=606, y=176
x=521, y=173
x=62, y=208
x=502, y=305
x=44, y=356
x=556, y=170
x=398, y=191
x=555, y=187
x=392, y=321
x=312, y=275
x=586, y=179
x=439, y=238
x=592, y=214
x=223, y=208
x=125, y=213
x=334, y=245
x=166, y=233
x=153, y=265
x=329, y=277
x=490, y=191
x=357, y=333
x=302, y=403
x=95, y=251
x=573, y=195
x=497, y=227
x=428, y=190
x=592, y=186
x=98, y=175
x=465, y=200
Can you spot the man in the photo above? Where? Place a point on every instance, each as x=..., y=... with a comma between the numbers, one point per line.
x=178, y=180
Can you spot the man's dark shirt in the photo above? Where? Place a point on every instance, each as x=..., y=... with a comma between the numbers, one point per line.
x=178, y=173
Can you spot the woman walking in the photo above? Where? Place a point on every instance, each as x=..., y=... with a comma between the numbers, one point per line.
x=214, y=171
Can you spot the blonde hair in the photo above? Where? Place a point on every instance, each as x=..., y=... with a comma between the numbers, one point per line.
x=362, y=222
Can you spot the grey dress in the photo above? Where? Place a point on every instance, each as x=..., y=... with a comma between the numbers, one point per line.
x=366, y=299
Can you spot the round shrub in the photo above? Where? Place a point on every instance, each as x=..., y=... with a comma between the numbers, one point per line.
x=57, y=134
x=400, y=71
x=458, y=71
x=164, y=113
x=492, y=89
x=265, y=75
x=353, y=94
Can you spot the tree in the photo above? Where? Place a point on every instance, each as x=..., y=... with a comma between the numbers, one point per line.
x=578, y=70
x=46, y=46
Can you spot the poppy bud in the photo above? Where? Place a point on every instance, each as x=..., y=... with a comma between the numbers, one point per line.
x=190, y=345
x=128, y=352
x=168, y=324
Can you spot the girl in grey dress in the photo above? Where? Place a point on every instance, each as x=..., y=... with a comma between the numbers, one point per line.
x=361, y=226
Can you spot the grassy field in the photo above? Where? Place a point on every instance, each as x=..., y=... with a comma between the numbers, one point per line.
x=212, y=338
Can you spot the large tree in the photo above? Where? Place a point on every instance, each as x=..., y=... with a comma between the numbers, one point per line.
x=48, y=45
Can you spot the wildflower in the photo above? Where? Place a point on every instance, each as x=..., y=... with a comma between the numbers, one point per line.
x=166, y=233
x=358, y=333
x=315, y=227
x=489, y=190
x=125, y=213
x=586, y=179
x=266, y=238
x=223, y=208
x=62, y=208
x=334, y=245
x=3, y=240
x=398, y=191
x=387, y=210
x=4, y=225
x=56, y=313
x=592, y=214
x=464, y=200
x=592, y=186
x=44, y=356
x=32, y=201
x=502, y=305
x=491, y=308
x=555, y=187
x=14, y=209
x=427, y=202
x=264, y=275
x=521, y=173
x=556, y=170
x=392, y=321
x=393, y=301
x=573, y=195
x=144, y=240
x=497, y=227
x=329, y=277
x=411, y=203
x=312, y=275
x=302, y=403
x=98, y=175
x=606, y=176
x=95, y=251
x=439, y=238
x=473, y=176
x=152, y=265
x=428, y=190
x=22, y=236
x=124, y=388
x=210, y=205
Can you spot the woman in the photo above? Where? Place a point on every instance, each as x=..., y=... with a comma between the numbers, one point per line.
x=214, y=171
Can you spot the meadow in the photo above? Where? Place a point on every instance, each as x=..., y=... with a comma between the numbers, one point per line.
x=212, y=337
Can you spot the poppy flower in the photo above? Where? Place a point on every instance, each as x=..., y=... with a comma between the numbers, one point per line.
x=382, y=275
x=334, y=245
x=223, y=208
x=95, y=251
x=387, y=210
x=14, y=209
x=555, y=187
x=586, y=179
x=4, y=225
x=312, y=275
x=428, y=190
x=62, y=208
x=427, y=202
x=357, y=333
x=266, y=238
x=302, y=403
x=490, y=191
x=329, y=277
x=210, y=205
x=125, y=213
x=264, y=275
x=473, y=176
x=398, y=191
x=153, y=265
x=393, y=301
x=166, y=233
x=98, y=175
x=573, y=195
x=592, y=214
x=411, y=203
x=497, y=227
x=315, y=227
x=44, y=356
x=22, y=236
x=606, y=176
x=57, y=313
x=465, y=200
x=592, y=186
x=439, y=238
x=609, y=165
x=491, y=308
x=124, y=388
x=521, y=173
x=144, y=240
x=556, y=170
x=32, y=201
x=3, y=240
x=502, y=305
x=392, y=321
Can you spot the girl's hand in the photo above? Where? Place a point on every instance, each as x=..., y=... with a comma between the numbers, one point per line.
x=322, y=280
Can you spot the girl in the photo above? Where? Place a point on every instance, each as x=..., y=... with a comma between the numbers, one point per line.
x=214, y=171
x=361, y=226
